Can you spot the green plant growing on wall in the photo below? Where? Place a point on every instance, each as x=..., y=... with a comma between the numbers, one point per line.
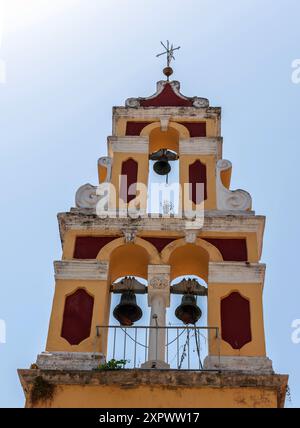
x=41, y=390
x=113, y=365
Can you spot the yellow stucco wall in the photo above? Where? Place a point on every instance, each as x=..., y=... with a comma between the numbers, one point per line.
x=73, y=396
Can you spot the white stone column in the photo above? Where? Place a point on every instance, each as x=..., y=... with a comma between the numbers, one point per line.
x=158, y=300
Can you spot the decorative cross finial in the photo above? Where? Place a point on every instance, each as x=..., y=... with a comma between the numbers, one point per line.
x=169, y=51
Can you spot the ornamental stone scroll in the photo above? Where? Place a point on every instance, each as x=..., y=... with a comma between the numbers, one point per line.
x=233, y=200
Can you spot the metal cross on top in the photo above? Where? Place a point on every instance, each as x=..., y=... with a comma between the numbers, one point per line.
x=169, y=51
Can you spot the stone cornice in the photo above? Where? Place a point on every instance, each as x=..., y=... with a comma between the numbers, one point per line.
x=81, y=270
x=236, y=272
x=214, y=221
x=237, y=222
x=154, y=114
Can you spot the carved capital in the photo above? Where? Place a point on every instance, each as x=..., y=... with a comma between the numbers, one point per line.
x=129, y=235
x=191, y=236
x=159, y=283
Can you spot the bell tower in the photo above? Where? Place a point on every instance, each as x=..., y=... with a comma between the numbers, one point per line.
x=158, y=295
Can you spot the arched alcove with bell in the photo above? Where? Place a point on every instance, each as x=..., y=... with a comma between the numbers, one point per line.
x=163, y=181
x=188, y=309
x=129, y=312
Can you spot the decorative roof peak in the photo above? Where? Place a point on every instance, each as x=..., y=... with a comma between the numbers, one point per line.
x=167, y=95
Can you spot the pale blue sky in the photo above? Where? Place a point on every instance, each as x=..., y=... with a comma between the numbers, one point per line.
x=68, y=64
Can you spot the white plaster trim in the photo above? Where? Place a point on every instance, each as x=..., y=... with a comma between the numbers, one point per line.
x=81, y=270
x=69, y=360
x=259, y=365
x=236, y=272
x=128, y=144
x=201, y=146
x=230, y=199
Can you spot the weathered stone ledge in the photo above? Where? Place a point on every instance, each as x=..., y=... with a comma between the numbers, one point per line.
x=161, y=378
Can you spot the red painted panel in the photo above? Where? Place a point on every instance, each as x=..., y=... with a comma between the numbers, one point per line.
x=129, y=170
x=196, y=129
x=167, y=98
x=197, y=174
x=232, y=250
x=77, y=319
x=160, y=243
x=88, y=247
x=135, y=128
x=235, y=320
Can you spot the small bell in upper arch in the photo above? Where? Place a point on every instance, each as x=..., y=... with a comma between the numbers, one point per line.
x=163, y=157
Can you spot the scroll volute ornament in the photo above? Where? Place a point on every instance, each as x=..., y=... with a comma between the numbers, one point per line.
x=230, y=199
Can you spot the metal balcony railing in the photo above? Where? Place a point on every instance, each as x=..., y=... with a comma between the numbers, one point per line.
x=185, y=347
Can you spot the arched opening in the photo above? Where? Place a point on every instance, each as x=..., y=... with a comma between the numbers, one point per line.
x=163, y=190
x=189, y=342
x=130, y=344
x=189, y=259
x=128, y=260
x=159, y=139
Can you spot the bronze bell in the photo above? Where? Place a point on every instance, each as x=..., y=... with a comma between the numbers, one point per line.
x=163, y=158
x=127, y=311
x=188, y=312
x=162, y=167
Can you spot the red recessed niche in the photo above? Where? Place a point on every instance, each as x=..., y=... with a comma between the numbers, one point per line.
x=197, y=175
x=235, y=320
x=77, y=318
x=88, y=247
x=135, y=128
x=232, y=250
x=129, y=174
